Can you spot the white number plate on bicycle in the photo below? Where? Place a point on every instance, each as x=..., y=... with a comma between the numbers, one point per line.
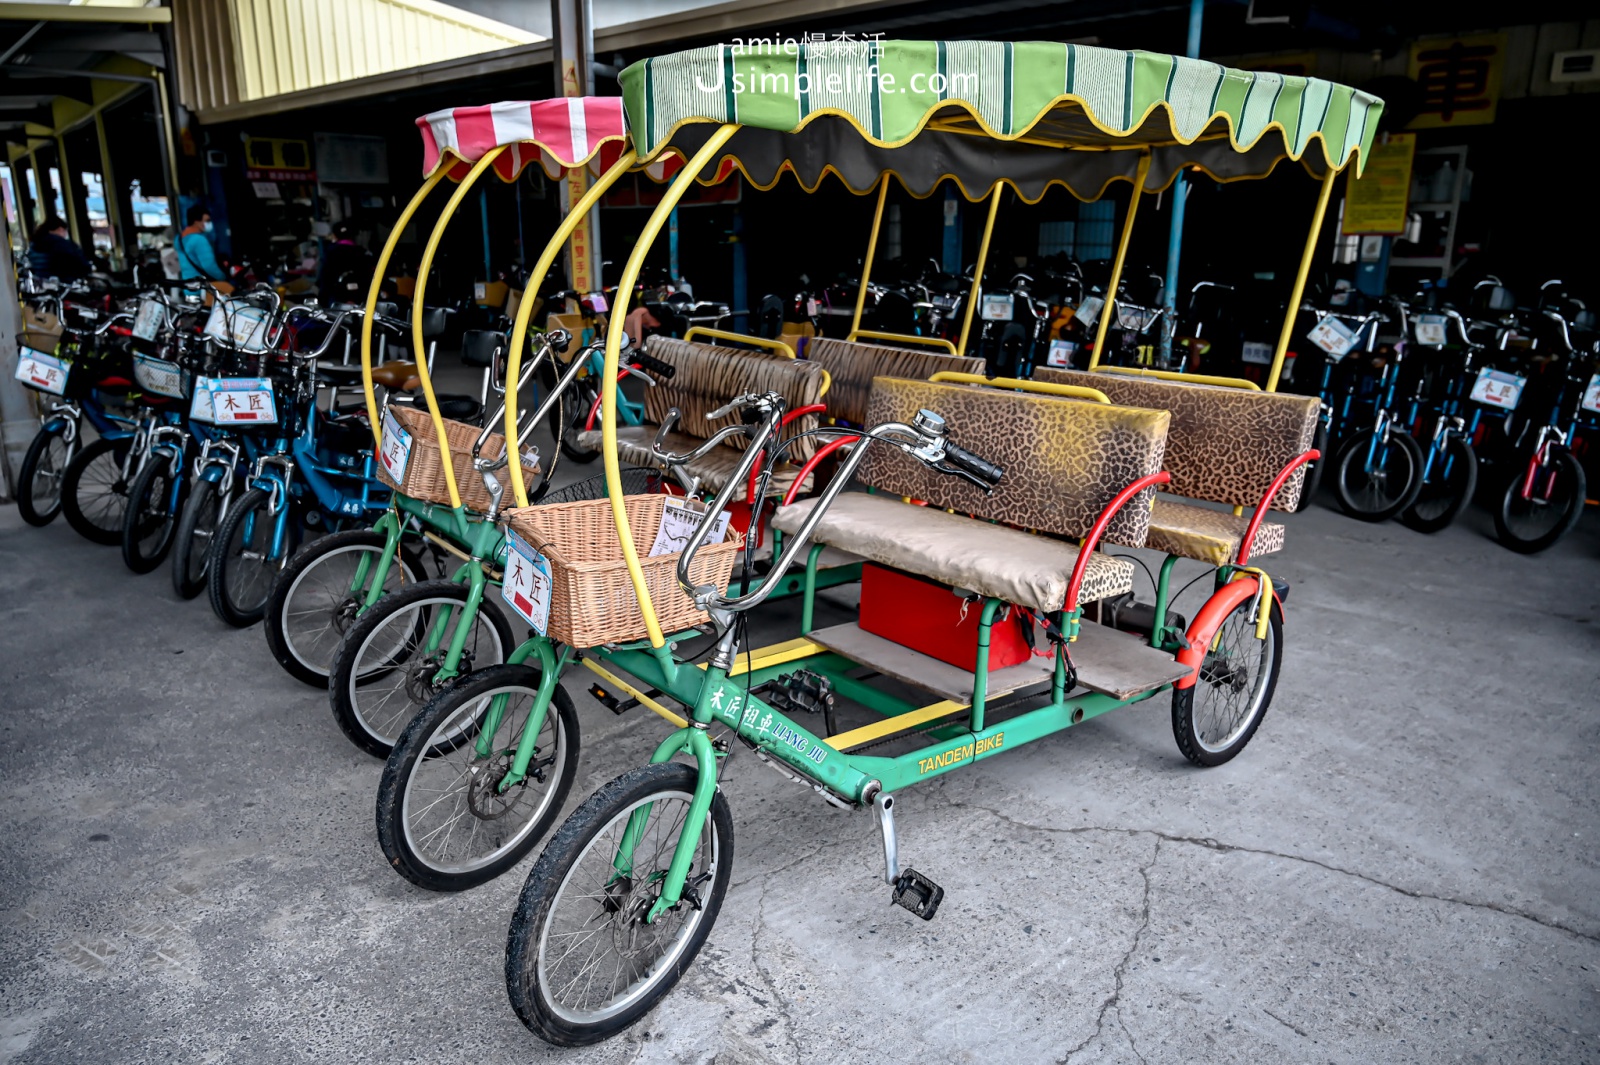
x=997, y=308
x=147, y=322
x=234, y=401
x=678, y=522
x=1333, y=337
x=1591, y=395
x=159, y=376
x=43, y=372
x=527, y=584
x=1495, y=388
x=1088, y=311
x=239, y=324
x=1256, y=353
x=1430, y=330
x=1060, y=353
x=395, y=454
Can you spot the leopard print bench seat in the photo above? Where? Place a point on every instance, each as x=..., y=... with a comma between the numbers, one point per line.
x=1064, y=463
x=706, y=378
x=853, y=365
x=1225, y=446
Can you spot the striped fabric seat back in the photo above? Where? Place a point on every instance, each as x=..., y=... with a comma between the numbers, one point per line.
x=708, y=377
x=853, y=365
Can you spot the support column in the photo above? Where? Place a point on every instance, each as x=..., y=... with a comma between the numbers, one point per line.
x=572, y=32
x=1180, y=198
x=108, y=187
x=69, y=202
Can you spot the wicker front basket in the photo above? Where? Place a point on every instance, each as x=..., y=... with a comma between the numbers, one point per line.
x=592, y=601
x=425, y=469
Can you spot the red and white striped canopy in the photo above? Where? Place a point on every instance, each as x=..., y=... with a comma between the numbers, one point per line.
x=557, y=134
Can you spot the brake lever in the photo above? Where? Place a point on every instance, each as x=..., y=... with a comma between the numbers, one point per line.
x=634, y=371
x=970, y=478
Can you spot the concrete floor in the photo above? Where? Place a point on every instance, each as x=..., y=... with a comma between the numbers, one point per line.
x=1400, y=868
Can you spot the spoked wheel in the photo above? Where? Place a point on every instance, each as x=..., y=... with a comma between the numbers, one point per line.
x=386, y=669
x=1375, y=480
x=1215, y=717
x=40, y=475
x=243, y=565
x=93, y=493
x=191, y=546
x=1529, y=525
x=576, y=416
x=582, y=961
x=316, y=599
x=1314, y=469
x=447, y=820
x=1448, y=489
x=151, y=518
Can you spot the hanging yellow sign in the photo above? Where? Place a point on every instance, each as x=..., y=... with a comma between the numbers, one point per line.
x=1459, y=78
x=1377, y=201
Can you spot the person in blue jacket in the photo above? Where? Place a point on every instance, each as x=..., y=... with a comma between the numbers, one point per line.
x=195, y=255
x=53, y=254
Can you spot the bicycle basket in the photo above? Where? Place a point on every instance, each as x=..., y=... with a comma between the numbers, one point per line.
x=162, y=377
x=410, y=462
x=636, y=480
x=591, y=600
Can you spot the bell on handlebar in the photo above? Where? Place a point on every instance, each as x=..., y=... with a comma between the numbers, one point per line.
x=929, y=423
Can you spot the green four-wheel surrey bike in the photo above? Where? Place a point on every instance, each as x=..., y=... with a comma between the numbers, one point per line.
x=628, y=888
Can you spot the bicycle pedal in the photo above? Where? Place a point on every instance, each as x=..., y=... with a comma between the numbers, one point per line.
x=918, y=894
x=611, y=702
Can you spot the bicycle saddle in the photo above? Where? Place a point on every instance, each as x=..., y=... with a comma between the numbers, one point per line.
x=394, y=375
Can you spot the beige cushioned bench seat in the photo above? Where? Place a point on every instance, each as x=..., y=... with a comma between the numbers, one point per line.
x=1208, y=535
x=992, y=560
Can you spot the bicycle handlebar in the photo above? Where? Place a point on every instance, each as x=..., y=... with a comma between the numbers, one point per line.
x=924, y=440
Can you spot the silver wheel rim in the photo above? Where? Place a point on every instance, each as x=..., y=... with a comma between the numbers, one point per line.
x=312, y=606
x=390, y=658
x=205, y=527
x=1233, y=682
x=453, y=818
x=248, y=581
x=155, y=517
x=586, y=957
x=1371, y=493
x=46, y=485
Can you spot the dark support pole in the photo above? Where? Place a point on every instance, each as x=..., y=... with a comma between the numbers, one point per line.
x=1180, y=197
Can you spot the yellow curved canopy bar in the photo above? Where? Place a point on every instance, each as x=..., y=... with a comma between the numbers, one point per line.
x=608, y=382
x=1186, y=378
x=373, y=292
x=1048, y=388
x=775, y=346
x=519, y=329
x=870, y=334
x=419, y=350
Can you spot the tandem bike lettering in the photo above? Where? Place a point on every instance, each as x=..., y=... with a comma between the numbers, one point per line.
x=976, y=749
x=725, y=702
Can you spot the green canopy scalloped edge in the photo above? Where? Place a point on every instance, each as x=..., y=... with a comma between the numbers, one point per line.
x=1043, y=96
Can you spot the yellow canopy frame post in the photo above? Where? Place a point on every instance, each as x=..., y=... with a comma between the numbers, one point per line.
x=1299, y=289
x=866, y=264
x=608, y=382
x=1121, y=259
x=375, y=290
x=417, y=349
x=519, y=329
x=977, y=275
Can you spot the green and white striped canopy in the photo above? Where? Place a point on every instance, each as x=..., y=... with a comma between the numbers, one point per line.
x=982, y=113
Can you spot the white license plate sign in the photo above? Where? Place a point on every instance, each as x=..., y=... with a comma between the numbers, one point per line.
x=147, y=322
x=239, y=324
x=1256, y=353
x=678, y=522
x=1060, y=353
x=1430, y=330
x=527, y=584
x=1591, y=395
x=159, y=376
x=43, y=372
x=1496, y=388
x=996, y=308
x=1332, y=336
x=234, y=401
x=1089, y=310
x=395, y=454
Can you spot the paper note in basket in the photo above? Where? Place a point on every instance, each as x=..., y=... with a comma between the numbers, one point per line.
x=527, y=584
x=149, y=319
x=396, y=451
x=678, y=522
x=1591, y=395
x=44, y=372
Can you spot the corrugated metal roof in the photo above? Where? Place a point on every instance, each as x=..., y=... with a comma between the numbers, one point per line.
x=233, y=52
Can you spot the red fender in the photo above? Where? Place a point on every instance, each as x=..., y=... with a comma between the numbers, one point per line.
x=1205, y=624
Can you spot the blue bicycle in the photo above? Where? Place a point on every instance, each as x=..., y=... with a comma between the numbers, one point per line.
x=314, y=469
